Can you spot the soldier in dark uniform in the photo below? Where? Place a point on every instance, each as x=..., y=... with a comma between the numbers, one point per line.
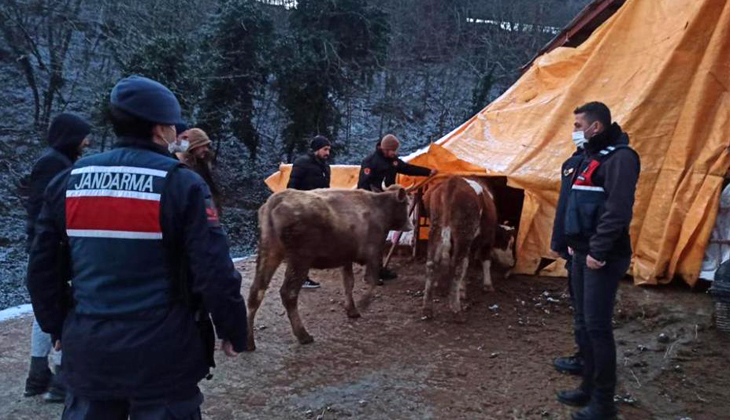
x=137, y=235
x=378, y=171
x=309, y=172
x=598, y=213
x=559, y=244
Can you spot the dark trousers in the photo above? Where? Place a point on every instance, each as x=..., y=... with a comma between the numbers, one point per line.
x=595, y=295
x=568, y=263
x=79, y=408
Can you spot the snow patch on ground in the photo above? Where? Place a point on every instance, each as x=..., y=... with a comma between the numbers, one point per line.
x=15, y=312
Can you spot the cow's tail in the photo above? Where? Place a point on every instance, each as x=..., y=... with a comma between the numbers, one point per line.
x=442, y=259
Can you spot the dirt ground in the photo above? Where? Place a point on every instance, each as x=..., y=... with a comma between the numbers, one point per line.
x=390, y=364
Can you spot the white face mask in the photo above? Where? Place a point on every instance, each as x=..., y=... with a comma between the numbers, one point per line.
x=579, y=138
x=176, y=147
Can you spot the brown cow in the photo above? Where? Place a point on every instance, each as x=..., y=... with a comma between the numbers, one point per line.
x=323, y=228
x=463, y=226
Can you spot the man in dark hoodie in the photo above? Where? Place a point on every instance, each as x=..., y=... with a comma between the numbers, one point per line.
x=67, y=138
x=309, y=172
x=597, y=217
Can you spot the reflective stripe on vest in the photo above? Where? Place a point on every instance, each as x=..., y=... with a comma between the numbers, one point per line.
x=119, y=202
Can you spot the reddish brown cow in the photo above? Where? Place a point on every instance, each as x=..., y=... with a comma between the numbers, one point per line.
x=323, y=228
x=463, y=226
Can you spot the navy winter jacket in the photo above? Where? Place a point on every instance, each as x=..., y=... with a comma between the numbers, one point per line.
x=559, y=242
x=600, y=207
x=140, y=239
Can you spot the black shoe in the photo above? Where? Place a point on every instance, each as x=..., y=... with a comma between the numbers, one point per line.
x=310, y=284
x=569, y=364
x=387, y=274
x=39, y=377
x=574, y=397
x=56, y=390
x=596, y=412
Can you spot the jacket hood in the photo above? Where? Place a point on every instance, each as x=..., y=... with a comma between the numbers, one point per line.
x=66, y=133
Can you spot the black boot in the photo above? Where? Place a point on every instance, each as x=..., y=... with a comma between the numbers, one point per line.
x=574, y=397
x=56, y=390
x=39, y=377
x=388, y=274
x=569, y=364
x=601, y=407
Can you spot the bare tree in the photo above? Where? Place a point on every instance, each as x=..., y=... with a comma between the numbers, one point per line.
x=39, y=34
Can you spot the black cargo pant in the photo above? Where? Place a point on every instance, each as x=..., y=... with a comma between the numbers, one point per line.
x=594, y=295
x=79, y=408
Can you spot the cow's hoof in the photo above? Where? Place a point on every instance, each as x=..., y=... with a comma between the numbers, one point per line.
x=250, y=345
x=353, y=314
x=488, y=289
x=307, y=339
x=427, y=315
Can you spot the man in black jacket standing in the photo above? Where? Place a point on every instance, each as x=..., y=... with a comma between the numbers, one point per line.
x=597, y=217
x=309, y=172
x=67, y=138
x=378, y=171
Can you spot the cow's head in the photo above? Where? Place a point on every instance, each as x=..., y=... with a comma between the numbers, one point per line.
x=399, y=202
x=503, y=250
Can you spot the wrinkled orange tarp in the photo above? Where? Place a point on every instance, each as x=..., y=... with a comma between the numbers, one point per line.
x=663, y=67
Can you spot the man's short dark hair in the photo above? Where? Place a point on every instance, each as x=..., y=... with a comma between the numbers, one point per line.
x=127, y=125
x=595, y=111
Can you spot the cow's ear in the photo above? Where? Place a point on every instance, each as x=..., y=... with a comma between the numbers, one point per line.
x=401, y=194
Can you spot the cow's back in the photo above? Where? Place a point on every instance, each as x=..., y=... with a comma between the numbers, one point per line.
x=452, y=203
x=324, y=226
x=464, y=206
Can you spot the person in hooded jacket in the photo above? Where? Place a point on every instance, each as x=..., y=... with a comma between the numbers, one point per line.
x=67, y=138
x=152, y=280
x=598, y=214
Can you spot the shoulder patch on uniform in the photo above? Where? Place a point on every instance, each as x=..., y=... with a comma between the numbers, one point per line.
x=568, y=171
x=211, y=212
x=366, y=171
x=395, y=163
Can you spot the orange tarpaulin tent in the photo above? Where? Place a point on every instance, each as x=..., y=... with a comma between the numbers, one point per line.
x=663, y=67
